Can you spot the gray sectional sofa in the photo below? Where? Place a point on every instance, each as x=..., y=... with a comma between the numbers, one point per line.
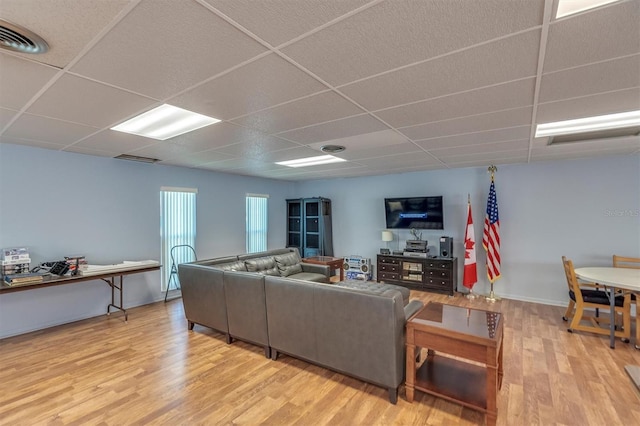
x=353, y=328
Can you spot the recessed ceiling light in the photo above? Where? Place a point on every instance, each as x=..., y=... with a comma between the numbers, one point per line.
x=332, y=148
x=589, y=124
x=570, y=7
x=165, y=122
x=311, y=161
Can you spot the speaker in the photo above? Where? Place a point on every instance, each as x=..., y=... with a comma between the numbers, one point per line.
x=365, y=266
x=446, y=247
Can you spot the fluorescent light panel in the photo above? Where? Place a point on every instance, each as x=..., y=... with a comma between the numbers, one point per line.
x=311, y=161
x=570, y=7
x=165, y=122
x=589, y=124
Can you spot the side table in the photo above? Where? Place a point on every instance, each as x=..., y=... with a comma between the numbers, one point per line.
x=470, y=334
x=333, y=263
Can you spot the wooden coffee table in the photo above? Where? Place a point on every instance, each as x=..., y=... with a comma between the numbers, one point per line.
x=332, y=262
x=470, y=334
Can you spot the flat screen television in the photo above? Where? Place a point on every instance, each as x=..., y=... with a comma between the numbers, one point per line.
x=414, y=212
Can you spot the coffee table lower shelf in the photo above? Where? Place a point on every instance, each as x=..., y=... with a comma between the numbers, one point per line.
x=453, y=380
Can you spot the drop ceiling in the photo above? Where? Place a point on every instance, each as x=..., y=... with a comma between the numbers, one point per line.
x=404, y=85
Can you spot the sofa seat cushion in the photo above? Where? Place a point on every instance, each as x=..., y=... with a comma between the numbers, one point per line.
x=309, y=276
x=263, y=265
x=375, y=288
x=289, y=264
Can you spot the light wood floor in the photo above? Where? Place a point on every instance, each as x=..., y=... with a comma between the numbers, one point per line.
x=151, y=370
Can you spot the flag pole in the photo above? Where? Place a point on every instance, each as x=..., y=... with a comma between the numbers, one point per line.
x=492, y=296
x=470, y=295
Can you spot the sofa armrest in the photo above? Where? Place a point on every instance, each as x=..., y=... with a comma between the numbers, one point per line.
x=411, y=308
x=317, y=269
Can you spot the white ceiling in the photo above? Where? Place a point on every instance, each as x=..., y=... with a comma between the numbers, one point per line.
x=405, y=85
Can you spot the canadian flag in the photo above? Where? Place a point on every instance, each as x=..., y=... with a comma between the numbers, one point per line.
x=470, y=271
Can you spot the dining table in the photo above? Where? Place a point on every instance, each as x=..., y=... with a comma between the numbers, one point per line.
x=627, y=279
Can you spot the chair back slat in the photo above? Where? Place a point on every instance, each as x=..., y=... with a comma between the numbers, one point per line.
x=572, y=280
x=626, y=262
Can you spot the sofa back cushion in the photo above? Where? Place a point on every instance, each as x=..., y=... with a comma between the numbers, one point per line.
x=237, y=265
x=288, y=264
x=263, y=265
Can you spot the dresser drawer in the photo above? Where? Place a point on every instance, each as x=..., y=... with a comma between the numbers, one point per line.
x=439, y=264
x=388, y=260
x=392, y=276
x=444, y=274
x=388, y=267
x=436, y=282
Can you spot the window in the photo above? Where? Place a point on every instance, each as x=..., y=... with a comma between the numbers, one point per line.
x=177, y=227
x=257, y=223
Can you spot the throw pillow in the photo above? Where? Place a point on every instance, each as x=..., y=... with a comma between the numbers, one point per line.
x=288, y=264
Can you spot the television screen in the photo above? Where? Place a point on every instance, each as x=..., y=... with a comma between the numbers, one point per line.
x=414, y=212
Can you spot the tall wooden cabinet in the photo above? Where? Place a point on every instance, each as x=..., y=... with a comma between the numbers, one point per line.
x=309, y=226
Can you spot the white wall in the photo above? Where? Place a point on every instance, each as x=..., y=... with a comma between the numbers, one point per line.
x=587, y=210
x=60, y=204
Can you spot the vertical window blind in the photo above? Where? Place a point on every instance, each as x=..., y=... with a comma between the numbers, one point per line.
x=257, y=223
x=177, y=227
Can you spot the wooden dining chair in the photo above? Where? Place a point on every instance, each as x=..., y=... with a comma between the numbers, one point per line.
x=583, y=284
x=633, y=263
x=586, y=299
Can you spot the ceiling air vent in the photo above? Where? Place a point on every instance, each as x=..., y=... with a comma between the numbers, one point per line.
x=332, y=149
x=137, y=158
x=19, y=39
x=599, y=134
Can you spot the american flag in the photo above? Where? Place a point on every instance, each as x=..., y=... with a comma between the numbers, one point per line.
x=491, y=235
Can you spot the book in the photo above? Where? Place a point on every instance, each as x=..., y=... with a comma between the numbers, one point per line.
x=23, y=278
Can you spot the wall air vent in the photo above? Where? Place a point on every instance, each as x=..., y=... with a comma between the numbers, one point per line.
x=599, y=134
x=18, y=39
x=137, y=158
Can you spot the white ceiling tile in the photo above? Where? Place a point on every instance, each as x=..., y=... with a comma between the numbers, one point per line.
x=605, y=33
x=399, y=160
x=393, y=34
x=257, y=149
x=290, y=154
x=380, y=151
x=170, y=48
x=336, y=129
x=114, y=142
x=163, y=150
x=304, y=112
x=28, y=142
x=89, y=151
x=224, y=134
x=477, y=138
x=35, y=127
x=480, y=149
x=66, y=25
x=199, y=158
x=279, y=21
x=589, y=106
x=260, y=84
x=491, y=156
x=20, y=80
x=83, y=101
x=603, y=77
x=495, y=98
x=501, y=61
x=488, y=162
x=6, y=115
x=477, y=123
x=366, y=140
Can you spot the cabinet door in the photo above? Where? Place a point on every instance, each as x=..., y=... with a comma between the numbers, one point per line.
x=294, y=224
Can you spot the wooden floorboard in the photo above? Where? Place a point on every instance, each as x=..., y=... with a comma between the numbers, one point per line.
x=152, y=370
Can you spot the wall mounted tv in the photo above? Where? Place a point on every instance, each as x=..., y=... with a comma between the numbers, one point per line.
x=414, y=212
